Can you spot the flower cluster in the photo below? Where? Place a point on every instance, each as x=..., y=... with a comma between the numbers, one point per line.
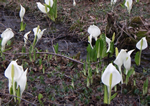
x=16, y=74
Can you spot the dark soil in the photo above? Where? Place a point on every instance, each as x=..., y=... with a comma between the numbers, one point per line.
x=55, y=76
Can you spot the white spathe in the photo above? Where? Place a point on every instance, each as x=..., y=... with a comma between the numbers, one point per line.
x=120, y=58
x=17, y=75
x=113, y=2
x=13, y=75
x=108, y=42
x=6, y=36
x=42, y=8
x=94, y=32
x=127, y=61
x=22, y=12
x=17, y=71
x=38, y=32
x=26, y=37
x=74, y=3
x=142, y=44
x=49, y=2
x=22, y=81
x=116, y=76
x=128, y=4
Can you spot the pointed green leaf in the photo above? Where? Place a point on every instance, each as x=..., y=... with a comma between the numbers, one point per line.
x=113, y=96
x=137, y=56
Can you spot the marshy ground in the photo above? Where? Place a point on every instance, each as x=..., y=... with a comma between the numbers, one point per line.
x=53, y=76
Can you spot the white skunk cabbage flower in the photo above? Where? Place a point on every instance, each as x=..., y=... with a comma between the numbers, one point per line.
x=108, y=42
x=94, y=32
x=15, y=73
x=22, y=81
x=142, y=44
x=127, y=61
x=42, y=8
x=120, y=58
x=49, y=2
x=116, y=76
x=113, y=2
x=26, y=37
x=128, y=4
x=6, y=36
x=22, y=12
x=74, y=3
x=38, y=32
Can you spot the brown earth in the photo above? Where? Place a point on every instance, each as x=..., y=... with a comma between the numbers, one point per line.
x=55, y=76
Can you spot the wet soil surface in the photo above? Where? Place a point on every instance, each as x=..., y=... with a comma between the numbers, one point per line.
x=70, y=32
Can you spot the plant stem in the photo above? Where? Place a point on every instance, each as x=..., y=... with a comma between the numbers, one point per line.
x=105, y=94
x=14, y=90
x=140, y=57
x=109, y=95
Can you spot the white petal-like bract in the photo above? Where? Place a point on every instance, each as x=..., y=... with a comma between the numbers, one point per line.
x=94, y=31
x=142, y=44
x=22, y=81
x=26, y=37
x=17, y=71
x=74, y=3
x=108, y=42
x=113, y=2
x=49, y=2
x=127, y=62
x=22, y=12
x=38, y=32
x=6, y=36
x=120, y=58
x=128, y=4
x=116, y=76
x=42, y=8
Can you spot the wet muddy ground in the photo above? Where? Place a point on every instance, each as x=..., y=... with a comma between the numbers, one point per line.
x=70, y=32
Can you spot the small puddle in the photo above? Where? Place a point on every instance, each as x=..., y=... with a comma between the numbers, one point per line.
x=68, y=43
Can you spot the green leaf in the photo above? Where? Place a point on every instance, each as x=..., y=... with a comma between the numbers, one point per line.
x=101, y=46
x=23, y=49
x=111, y=51
x=56, y=48
x=91, y=55
x=98, y=48
x=40, y=96
x=130, y=72
x=113, y=96
x=145, y=87
x=11, y=90
x=55, y=8
x=18, y=94
x=53, y=11
x=137, y=56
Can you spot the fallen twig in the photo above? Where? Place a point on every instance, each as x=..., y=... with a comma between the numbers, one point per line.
x=18, y=97
x=50, y=54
